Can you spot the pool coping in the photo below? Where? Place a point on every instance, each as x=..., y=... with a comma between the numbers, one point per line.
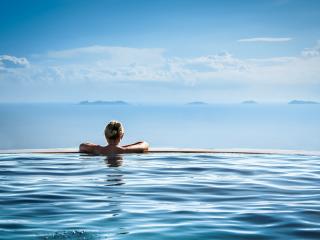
x=174, y=150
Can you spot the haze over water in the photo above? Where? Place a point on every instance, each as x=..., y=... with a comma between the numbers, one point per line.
x=267, y=126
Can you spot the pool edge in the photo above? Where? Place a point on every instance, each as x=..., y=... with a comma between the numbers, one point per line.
x=174, y=150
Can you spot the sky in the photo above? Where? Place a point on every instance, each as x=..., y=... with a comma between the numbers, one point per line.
x=160, y=51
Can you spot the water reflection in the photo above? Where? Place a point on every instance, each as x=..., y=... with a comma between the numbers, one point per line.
x=114, y=178
x=114, y=160
x=115, y=193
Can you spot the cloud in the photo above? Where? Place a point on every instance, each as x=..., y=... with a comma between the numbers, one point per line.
x=106, y=67
x=106, y=63
x=312, y=52
x=114, y=64
x=115, y=56
x=8, y=62
x=266, y=39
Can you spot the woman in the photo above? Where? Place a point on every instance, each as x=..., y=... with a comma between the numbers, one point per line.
x=113, y=132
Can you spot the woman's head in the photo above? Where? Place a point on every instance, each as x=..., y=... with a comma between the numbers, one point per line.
x=114, y=132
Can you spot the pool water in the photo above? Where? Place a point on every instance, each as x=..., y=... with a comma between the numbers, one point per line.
x=159, y=196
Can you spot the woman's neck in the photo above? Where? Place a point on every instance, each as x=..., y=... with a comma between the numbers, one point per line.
x=113, y=144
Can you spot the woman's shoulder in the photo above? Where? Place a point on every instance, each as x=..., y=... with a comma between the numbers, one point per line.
x=94, y=148
x=87, y=147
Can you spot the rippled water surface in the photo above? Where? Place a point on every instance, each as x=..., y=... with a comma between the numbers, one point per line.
x=159, y=196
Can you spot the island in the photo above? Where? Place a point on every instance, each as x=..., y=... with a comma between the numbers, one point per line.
x=103, y=103
x=249, y=102
x=302, y=102
x=197, y=103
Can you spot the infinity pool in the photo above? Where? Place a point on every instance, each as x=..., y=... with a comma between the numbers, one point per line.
x=159, y=196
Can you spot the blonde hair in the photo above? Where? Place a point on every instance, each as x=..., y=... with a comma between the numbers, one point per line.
x=113, y=130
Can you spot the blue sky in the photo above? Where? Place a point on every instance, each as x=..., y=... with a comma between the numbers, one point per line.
x=166, y=50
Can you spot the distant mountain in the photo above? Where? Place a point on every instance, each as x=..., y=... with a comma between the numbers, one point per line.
x=103, y=103
x=197, y=103
x=249, y=102
x=302, y=102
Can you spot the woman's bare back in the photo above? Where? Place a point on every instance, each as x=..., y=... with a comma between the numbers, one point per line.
x=138, y=147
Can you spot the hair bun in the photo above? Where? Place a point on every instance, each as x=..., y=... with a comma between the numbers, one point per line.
x=113, y=130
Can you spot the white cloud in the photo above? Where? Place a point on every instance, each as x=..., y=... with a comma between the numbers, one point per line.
x=114, y=55
x=7, y=62
x=103, y=65
x=266, y=39
x=312, y=52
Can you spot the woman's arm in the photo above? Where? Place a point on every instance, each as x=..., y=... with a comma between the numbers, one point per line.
x=138, y=147
x=133, y=144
